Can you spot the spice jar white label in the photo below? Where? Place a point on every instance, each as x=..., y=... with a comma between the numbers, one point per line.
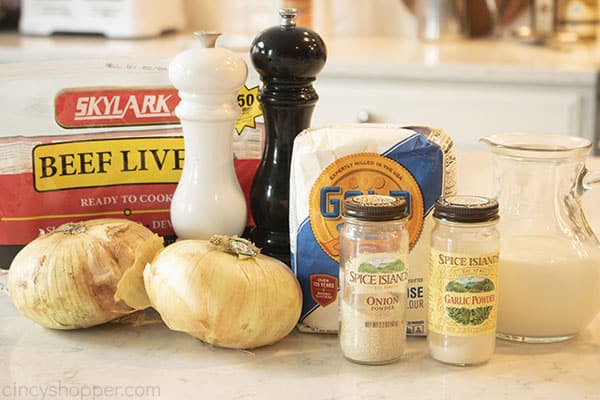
x=373, y=307
x=463, y=295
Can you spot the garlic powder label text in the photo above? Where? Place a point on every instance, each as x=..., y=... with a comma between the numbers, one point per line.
x=464, y=293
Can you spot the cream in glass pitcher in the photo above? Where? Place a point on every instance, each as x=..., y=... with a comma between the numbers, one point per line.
x=549, y=274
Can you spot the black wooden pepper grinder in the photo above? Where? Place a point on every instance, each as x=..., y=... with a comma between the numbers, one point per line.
x=288, y=58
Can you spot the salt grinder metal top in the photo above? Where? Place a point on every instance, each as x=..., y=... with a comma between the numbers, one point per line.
x=208, y=199
x=288, y=58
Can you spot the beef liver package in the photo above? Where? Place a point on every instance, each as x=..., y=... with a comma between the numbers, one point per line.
x=332, y=163
x=94, y=138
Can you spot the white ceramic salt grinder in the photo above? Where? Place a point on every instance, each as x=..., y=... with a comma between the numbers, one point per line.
x=208, y=199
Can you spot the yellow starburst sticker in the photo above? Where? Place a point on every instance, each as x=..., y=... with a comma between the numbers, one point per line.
x=248, y=101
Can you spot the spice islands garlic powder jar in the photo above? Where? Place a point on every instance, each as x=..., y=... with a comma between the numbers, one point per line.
x=463, y=280
x=374, y=276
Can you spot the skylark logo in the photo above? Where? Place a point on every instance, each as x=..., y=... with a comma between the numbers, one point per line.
x=98, y=107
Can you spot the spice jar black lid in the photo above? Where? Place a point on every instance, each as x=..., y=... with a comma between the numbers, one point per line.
x=373, y=207
x=466, y=209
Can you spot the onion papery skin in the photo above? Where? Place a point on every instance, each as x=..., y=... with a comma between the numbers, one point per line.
x=221, y=298
x=68, y=279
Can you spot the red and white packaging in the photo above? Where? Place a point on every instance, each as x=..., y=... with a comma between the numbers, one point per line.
x=91, y=139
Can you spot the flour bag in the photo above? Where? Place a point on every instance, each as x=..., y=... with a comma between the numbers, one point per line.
x=333, y=163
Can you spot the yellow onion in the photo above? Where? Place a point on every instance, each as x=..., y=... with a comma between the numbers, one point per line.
x=83, y=274
x=222, y=298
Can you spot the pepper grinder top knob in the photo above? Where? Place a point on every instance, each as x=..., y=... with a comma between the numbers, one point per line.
x=288, y=16
x=207, y=39
x=288, y=53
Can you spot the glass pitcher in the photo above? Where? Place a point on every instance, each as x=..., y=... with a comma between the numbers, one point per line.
x=549, y=277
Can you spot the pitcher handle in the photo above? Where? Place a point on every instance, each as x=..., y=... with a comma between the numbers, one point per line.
x=589, y=179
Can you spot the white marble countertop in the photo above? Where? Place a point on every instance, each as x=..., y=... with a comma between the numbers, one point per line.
x=157, y=363
x=469, y=60
x=151, y=360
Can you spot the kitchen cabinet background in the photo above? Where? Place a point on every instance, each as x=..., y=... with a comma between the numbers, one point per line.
x=466, y=109
x=470, y=88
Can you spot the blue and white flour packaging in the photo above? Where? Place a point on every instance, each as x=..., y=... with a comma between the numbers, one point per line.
x=332, y=163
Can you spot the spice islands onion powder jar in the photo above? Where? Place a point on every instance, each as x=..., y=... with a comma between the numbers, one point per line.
x=374, y=246
x=463, y=280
